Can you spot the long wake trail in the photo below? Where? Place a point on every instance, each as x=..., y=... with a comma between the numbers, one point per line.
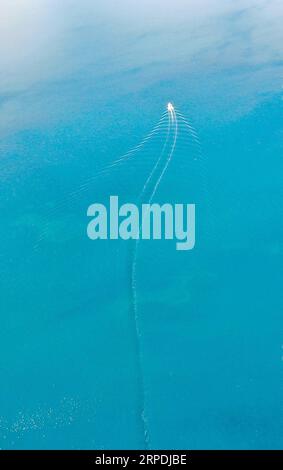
x=172, y=131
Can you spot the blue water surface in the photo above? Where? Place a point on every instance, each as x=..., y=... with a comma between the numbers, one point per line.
x=82, y=83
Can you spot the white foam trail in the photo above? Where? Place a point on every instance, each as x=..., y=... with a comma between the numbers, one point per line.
x=175, y=124
x=172, y=124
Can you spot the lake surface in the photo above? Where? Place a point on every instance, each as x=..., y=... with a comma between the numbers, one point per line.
x=82, y=83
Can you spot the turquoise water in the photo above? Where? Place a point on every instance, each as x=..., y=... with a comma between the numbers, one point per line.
x=80, y=85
